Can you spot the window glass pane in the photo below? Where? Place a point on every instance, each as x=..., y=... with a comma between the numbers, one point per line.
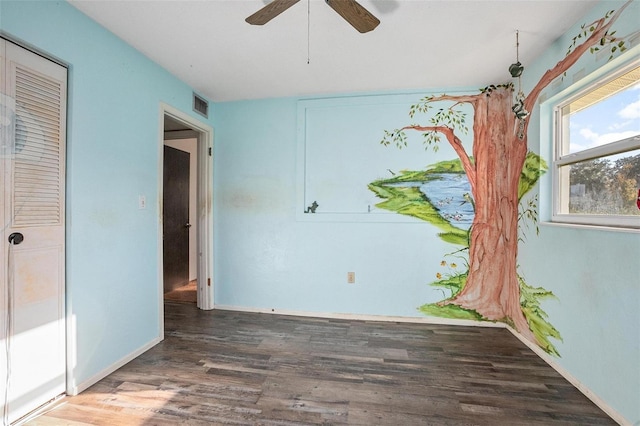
x=603, y=186
x=607, y=114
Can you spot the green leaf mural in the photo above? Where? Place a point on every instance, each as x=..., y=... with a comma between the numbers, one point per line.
x=500, y=172
x=409, y=200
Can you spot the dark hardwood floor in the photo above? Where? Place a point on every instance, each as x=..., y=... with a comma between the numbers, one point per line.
x=222, y=367
x=186, y=294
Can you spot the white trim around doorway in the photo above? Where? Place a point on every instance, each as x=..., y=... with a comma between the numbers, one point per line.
x=205, y=208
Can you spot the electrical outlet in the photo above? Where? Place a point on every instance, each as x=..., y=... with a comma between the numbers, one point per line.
x=351, y=277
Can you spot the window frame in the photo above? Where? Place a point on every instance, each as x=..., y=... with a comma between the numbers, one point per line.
x=559, y=129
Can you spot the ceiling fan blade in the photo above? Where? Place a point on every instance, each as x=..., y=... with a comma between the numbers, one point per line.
x=270, y=11
x=352, y=12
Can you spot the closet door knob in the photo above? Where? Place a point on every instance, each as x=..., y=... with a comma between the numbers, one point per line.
x=16, y=238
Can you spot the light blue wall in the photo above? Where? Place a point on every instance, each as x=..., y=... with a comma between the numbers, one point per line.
x=268, y=258
x=112, y=157
x=594, y=273
x=264, y=257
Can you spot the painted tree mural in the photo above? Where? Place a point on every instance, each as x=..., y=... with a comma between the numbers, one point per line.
x=492, y=287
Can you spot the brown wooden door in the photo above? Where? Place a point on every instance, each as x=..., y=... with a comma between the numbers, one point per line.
x=175, y=218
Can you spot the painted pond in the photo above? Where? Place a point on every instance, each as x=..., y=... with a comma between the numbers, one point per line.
x=449, y=193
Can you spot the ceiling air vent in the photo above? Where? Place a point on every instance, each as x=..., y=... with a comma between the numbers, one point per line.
x=200, y=105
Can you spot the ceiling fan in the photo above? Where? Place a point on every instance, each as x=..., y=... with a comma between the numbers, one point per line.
x=352, y=12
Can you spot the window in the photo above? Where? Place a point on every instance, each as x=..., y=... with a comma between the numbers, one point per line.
x=597, y=153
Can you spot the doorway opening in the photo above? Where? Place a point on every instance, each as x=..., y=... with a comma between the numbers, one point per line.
x=186, y=248
x=179, y=208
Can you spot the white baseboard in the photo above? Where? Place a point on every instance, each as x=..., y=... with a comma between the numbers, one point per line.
x=363, y=317
x=617, y=417
x=74, y=390
x=448, y=321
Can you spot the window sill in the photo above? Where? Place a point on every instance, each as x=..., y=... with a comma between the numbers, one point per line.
x=591, y=227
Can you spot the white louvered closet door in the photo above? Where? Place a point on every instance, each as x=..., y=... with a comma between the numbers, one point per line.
x=32, y=166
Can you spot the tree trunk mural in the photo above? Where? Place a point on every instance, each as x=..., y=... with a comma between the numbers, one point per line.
x=492, y=287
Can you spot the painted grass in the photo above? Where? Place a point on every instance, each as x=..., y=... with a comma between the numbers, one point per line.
x=411, y=202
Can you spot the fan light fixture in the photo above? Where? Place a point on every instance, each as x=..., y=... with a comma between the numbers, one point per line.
x=350, y=10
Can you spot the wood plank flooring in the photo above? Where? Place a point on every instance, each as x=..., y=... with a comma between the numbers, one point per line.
x=222, y=367
x=186, y=294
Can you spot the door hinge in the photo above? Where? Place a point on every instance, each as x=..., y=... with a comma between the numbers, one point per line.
x=209, y=151
x=208, y=282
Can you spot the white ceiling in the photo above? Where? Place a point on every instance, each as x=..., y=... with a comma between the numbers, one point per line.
x=419, y=44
